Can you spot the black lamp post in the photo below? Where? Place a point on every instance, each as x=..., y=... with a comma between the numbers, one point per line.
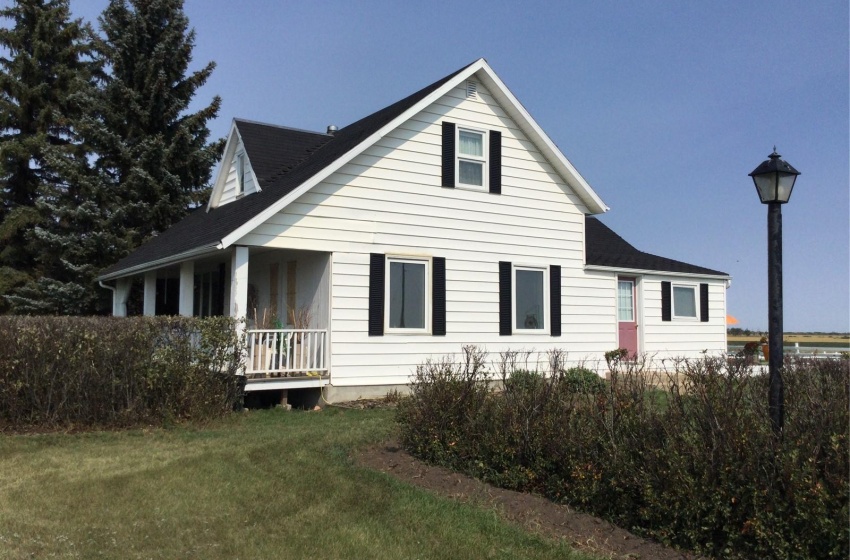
x=774, y=180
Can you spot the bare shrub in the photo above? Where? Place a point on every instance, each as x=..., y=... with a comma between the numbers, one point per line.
x=85, y=372
x=444, y=399
x=685, y=455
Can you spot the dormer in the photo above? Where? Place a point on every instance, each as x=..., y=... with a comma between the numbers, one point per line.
x=236, y=177
x=257, y=155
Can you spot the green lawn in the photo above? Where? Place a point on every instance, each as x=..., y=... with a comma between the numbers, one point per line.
x=267, y=484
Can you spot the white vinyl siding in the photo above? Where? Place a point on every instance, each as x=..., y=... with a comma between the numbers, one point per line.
x=679, y=338
x=389, y=200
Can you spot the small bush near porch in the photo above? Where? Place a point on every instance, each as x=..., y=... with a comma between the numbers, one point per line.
x=696, y=465
x=85, y=372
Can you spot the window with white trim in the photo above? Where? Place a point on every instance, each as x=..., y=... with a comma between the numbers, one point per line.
x=471, y=158
x=685, y=302
x=408, y=295
x=530, y=298
x=240, y=173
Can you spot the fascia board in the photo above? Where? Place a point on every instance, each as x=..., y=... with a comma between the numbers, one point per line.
x=553, y=154
x=272, y=384
x=273, y=209
x=233, y=140
x=151, y=265
x=642, y=271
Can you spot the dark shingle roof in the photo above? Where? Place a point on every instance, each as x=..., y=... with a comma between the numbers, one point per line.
x=606, y=248
x=276, y=150
x=286, y=159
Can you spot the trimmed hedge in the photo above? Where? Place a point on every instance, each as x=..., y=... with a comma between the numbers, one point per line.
x=696, y=466
x=108, y=372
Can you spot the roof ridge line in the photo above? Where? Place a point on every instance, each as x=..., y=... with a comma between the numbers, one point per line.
x=292, y=128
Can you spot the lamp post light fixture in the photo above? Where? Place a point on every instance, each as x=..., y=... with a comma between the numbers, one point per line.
x=774, y=180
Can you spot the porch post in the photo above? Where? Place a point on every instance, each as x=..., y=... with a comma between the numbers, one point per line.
x=150, y=293
x=239, y=282
x=187, y=287
x=119, y=297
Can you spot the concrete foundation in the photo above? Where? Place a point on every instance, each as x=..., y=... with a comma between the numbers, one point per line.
x=335, y=393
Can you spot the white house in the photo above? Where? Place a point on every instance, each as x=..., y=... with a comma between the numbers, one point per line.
x=445, y=219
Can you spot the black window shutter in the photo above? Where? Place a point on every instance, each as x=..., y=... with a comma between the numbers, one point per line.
x=438, y=296
x=505, y=298
x=495, y=162
x=376, y=294
x=448, y=154
x=666, y=307
x=703, y=303
x=555, y=299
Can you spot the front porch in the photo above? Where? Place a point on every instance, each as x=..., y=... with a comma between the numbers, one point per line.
x=281, y=297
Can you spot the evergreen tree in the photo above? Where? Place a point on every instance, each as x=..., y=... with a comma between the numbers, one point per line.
x=42, y=72
x=81, y=238
x=156, y=153
x=150, y=160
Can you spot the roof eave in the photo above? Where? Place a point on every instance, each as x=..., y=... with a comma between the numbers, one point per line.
x=602, y=268
x=159, y=263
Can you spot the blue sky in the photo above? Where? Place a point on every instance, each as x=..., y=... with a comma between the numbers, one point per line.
x=664, y=107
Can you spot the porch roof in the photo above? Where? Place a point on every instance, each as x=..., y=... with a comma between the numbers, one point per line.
x=606, y=248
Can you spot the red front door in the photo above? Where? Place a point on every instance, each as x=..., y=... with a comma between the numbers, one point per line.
x=626, y=316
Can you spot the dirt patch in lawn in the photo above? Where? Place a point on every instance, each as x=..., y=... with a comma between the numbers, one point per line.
x=535, y=513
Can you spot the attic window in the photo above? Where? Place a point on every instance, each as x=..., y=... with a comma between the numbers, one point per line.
x=240, y=174
x=471, y=157
x=471, y=90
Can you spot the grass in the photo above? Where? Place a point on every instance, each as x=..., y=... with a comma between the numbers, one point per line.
x=267, y=484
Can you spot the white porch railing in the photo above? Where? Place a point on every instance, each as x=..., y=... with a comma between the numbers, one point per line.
x=286, y=353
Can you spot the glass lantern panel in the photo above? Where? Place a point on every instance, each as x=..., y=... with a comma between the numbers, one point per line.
x=766, y=186
x=786, y=183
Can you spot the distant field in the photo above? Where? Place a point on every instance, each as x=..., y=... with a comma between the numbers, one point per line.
x=818, y=342
x=802, y=338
